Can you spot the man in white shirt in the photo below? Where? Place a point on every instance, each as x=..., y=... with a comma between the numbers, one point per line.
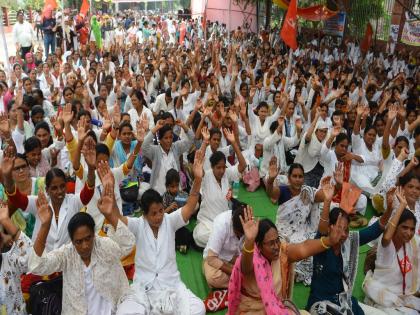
x=163, y=102
x=223, y=247
x=23, y=34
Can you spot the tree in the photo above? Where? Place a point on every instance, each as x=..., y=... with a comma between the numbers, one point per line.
x=360, y=12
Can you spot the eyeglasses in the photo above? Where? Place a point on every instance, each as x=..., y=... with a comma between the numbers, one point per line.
x=20, y=168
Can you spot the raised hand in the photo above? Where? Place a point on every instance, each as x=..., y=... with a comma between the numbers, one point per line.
x=339, y=173
x=140, y=133
x=335, y=131
x=401, y=196
x=44, y=212
x=298, y=124
x=58, y=124
x=4, y=211
x=8, y=160
x=4, y=125
x=67, y=114
x=206, y=134
x=107, y=122
x=89, y=152
x=229, y=135
x=360, y=109
x=392, y=113
x=273, y=170
x=414, y=161
x=106, y=202
x=390, y=197
x=249, y=224
x=116, y=115
x=233, y=116
x=198, y=164
x=280, y=121
x=327, y=188
x=144, y=122
x=105, y=174
x=252, y=92
x=82, y=128
x=404, y=155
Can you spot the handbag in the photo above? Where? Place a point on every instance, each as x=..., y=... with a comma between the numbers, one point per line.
x=46, y=297
x=130, y=192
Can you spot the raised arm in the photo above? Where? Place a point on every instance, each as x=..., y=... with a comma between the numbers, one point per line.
x=89, y=153
x=40, y=263
x=324, y=220
x=312, y=127
x=190, y=207
x=231, y=138
x=273, y=171
x=7, y=223
x=386, y=148
x=392, y=224
x=45, y=216
x=299, y=251
x=250, y=226
x=359, y=112
x=140, y=134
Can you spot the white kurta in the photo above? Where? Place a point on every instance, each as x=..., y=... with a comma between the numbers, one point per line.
x=157, y=283
x=213, y=203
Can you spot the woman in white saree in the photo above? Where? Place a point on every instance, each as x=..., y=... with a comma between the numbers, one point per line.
x=298, y=213
x=394, y=284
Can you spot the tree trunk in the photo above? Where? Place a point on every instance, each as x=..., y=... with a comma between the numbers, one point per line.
x=268, y=6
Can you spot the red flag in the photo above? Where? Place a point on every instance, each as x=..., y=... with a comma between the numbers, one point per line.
x=367, y=40
x=84, y=8
x=288, y=32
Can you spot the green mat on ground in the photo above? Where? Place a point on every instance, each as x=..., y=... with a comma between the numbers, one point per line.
x=190, y=265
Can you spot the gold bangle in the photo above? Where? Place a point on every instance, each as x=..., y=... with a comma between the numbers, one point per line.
x=247, y=250
x=324, y=220
x=88, y=187
x=392, y=224
x=11, y=194
x=323, y=244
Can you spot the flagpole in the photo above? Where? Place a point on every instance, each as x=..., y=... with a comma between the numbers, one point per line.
x=205, y=24
x=230, y=20
x=289, y=68
x=62, y=26
x=4, y=40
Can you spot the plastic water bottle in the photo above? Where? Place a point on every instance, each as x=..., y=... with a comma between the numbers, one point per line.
x=260, y=160
x=180, y=200
x=235, y=190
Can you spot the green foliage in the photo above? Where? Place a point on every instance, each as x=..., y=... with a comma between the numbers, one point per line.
x=11, y=4
x=34, y=4
x=361, y=12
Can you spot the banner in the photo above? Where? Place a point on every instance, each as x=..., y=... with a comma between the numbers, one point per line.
x=335, y=25
x=411, y=32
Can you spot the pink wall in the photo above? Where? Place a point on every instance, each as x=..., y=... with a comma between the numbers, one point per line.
x=218, y=10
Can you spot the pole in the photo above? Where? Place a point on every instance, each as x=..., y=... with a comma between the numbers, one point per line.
x=205, y=24
x=3, y=35
x=230, y=20
x=62, y=26
x=289, y=68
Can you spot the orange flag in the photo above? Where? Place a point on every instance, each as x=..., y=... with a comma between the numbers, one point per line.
x=84, y=8
x=289, y=30
x=367, y=40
